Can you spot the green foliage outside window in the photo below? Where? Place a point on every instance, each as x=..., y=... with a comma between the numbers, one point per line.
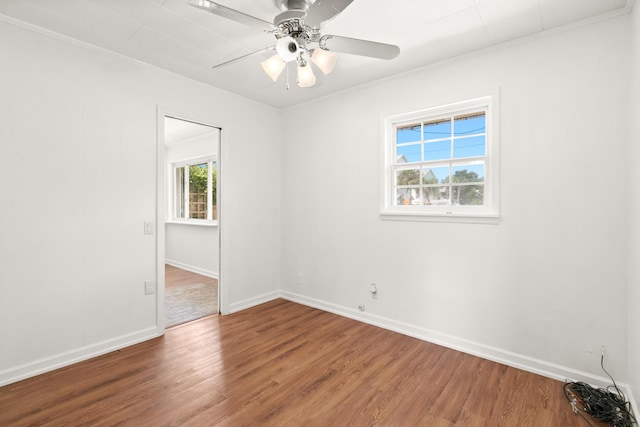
x=198, y=180
x=409, y=177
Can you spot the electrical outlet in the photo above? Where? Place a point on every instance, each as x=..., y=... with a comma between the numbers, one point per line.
x=373, y=290
x=149, y=287
x=300, y=280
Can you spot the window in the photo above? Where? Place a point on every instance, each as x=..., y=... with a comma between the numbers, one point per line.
x=195, y=190
x=442, y=162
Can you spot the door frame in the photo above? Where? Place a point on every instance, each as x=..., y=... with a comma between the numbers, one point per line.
x=161, y=200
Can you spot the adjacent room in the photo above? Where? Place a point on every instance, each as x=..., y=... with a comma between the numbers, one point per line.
x=318, y=212
x=191, y=234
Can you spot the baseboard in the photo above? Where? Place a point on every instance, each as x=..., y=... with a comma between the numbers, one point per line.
x=505, y=357
x=41, y=366
x=191, y=268
x=252, y=302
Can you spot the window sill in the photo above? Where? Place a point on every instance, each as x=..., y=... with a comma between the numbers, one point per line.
x=464, y=218
x=198, y=223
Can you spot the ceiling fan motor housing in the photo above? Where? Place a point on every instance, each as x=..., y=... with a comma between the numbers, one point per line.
x=302, y=5
x=286, y=16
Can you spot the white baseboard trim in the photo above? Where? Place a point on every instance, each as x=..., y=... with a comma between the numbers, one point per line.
x=191, y=268
x=61, y=360
x=537, y=366
x=505, y=357
x=252, y=302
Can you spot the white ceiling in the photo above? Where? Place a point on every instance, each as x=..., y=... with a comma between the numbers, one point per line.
x=177, y=131
x=172, y=35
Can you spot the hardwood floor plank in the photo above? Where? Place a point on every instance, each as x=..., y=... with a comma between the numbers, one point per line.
x=176, y=277
x=284, y=364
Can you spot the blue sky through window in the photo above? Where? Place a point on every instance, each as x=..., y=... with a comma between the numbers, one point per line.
x=469, y=147
x=468, y=132
x=408, y=134
x=437, y=130
x=469, y=125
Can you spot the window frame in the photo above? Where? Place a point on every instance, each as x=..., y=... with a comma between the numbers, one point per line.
x=488, y=212
x=210, y=160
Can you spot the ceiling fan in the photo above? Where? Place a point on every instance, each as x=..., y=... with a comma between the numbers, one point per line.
x=298, y=37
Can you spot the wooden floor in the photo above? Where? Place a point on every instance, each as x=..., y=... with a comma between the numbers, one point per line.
x=284, y=364
x=175, y=277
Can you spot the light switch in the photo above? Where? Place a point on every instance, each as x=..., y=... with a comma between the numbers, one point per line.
x=149, y=287
x=148, y=227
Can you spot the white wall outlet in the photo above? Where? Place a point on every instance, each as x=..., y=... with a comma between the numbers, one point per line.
x=300, y=279
x=373, y=290
x=149, y=287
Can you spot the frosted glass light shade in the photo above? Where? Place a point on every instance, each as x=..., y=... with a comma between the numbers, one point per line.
x=324, y=59
x=306, y=78
x=288, y=49
x=273, y=67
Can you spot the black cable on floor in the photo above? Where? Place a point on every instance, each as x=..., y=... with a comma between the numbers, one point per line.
x=603, y=405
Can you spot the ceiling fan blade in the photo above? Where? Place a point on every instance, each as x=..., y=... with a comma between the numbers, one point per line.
x=323, y=10
x=234, y=15
x=240, y=58
x=359, y=47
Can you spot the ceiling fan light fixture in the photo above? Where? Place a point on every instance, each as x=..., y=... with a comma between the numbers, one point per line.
x=273, y=66
x=324, y=59
x=288, y=49
x=297, y=30
x=306, y=78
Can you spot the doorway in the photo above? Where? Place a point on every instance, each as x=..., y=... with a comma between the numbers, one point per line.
x=191, y=229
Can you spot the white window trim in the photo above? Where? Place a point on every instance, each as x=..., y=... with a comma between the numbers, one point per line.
x=485, y=214
x=209, y=160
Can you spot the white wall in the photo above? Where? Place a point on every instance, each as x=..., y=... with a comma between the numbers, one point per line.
x=539, y=289
x=634, y=212
x=193, y=247
x=78, y=149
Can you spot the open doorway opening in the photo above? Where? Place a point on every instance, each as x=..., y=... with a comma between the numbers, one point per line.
x=191, y=225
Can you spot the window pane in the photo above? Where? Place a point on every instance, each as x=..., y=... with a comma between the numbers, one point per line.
x=438, y=175
x=469, y=173
x=428, y=177
x=409, y=133
x=468, y=195
x=437, y=129
x=198, y=191
x=408, y=177
x=408, y=154
x=469, y=147
x=469, y=124
x=437, y=150
x=179, y=185
x=436, y=195
x=407, y=196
